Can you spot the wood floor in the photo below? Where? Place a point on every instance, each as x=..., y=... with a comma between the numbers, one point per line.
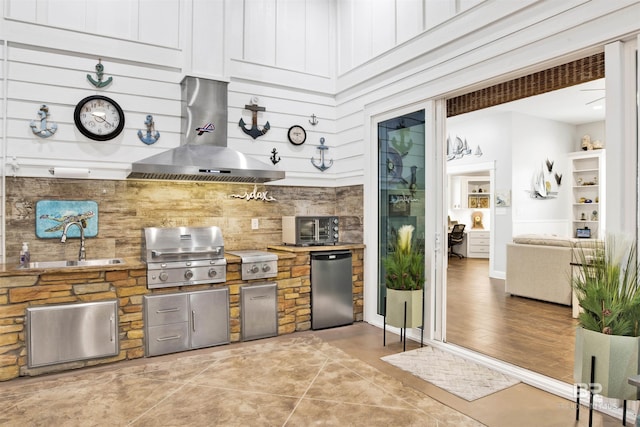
x=535, y=335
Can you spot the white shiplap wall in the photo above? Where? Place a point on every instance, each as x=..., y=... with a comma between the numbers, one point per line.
x=331, y=58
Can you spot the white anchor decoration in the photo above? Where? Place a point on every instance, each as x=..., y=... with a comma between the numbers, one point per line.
x=322, y=166
x=152, y=134
x=45, y=130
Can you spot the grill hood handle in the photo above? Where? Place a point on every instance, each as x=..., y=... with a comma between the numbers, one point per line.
x=156, y=253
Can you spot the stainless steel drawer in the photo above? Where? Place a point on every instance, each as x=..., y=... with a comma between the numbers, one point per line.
x=164, y=309
x=167, y=338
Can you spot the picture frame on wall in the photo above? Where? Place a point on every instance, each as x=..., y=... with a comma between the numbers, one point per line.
x=473, y=202
x=483, y=202
x=503, y=198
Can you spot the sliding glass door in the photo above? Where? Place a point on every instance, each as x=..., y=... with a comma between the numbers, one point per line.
x=401, y=184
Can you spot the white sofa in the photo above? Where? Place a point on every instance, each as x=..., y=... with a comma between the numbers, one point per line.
x=539, y=267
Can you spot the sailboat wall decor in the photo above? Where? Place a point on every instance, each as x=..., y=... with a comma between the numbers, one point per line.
x=460, y=148
x=540, y=187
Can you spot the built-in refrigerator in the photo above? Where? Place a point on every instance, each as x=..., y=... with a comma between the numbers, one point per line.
x=331, y=289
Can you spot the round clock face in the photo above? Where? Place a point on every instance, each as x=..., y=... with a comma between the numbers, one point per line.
x=99, y=118
x=297, y=135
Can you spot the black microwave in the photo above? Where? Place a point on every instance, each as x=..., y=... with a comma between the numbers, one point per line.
x=310, y=230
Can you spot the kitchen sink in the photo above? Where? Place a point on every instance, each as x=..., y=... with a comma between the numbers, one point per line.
x=75, y=263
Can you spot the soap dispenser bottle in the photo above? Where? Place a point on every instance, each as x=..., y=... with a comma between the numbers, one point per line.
x=25, y=255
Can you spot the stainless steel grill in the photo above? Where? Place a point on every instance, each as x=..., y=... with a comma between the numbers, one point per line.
x=257, y=264
x=183, y=256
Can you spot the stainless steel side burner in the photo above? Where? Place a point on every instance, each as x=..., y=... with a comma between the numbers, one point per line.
x=257, y=264
x=183, y=256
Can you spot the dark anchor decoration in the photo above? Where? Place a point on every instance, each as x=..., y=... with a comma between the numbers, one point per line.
x=100, y=75
x=45, y=130
x=314, y=120
x=322, y=166
x=274, y=159
x=152, y=134
x=254, y=132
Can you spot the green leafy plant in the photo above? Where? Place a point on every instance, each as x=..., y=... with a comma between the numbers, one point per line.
x=404, y=267
x=606, y=285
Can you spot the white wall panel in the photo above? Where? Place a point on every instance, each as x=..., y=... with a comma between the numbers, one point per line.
x=319, y=50
x=158, y=21
x=409, y=19
x=260, y=31
x=22, y=9
x=383, y=26
x=71, y=15
x=438, y=11
x=205, y=49
x=291, y=37
x=154, y=22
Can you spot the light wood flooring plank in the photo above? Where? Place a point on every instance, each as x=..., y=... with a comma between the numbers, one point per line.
x=535, y=335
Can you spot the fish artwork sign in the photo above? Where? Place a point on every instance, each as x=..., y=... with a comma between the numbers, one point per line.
x=53, y=215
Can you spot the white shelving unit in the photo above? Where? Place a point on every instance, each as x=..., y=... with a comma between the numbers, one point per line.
x=470, y=193
x=588, y=190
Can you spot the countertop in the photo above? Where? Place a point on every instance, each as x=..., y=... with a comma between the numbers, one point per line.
x=339, y=246
x=132, y=263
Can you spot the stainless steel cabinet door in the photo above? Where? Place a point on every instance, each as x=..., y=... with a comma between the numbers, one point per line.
x=64, y=333
x=209, y=317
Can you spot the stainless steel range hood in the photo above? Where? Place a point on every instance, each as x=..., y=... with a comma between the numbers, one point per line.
x=203, y=154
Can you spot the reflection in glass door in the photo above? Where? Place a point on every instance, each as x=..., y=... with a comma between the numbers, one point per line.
x=401, y=184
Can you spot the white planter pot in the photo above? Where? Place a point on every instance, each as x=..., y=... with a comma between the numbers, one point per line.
x=395, y=308
x=617, y=359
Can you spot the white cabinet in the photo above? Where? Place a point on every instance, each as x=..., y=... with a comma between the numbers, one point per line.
x=478, y=244
x=467, y=192
x=179, y=322
x=587, y=192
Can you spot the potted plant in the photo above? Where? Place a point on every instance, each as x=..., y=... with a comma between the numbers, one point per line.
x=606, y=285
x=404, y=279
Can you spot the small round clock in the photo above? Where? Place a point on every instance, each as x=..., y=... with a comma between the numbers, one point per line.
x=297, y=135
x=99, y=118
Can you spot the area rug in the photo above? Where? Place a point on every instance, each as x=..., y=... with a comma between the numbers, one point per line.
x=452, y=373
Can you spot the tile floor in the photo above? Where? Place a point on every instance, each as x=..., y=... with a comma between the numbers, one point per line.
x=332, y=377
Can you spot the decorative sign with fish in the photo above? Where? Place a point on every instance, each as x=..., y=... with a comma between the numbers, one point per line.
x=53, y=215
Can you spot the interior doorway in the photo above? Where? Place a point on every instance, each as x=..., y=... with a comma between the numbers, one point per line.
x=475, y=287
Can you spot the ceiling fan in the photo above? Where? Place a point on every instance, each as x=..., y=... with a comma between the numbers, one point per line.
x=595, y=100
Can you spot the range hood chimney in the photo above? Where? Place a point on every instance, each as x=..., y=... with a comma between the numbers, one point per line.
x=203, y=154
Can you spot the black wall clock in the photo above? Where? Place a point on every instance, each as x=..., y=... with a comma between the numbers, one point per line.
x=297, y=135
x=99, y=118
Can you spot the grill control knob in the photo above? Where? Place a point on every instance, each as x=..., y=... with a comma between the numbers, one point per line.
x=163, y=276
x=254, y=269
x=266, y=267
x=213, y=272
x=335, y=236
x=188, y=274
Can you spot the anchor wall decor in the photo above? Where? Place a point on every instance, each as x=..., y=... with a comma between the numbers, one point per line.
x=254, y=132
x=152, y=135
x=314, y=120
x=100, y=75
x=322, y=166
x=46, y=129
x=274, y=156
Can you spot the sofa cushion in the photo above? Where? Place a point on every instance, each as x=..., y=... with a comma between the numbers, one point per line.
x=543, y=239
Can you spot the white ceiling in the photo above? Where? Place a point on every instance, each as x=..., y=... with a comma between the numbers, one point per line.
x=574, y=105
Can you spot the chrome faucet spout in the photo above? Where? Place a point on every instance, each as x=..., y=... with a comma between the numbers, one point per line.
x=82, y=253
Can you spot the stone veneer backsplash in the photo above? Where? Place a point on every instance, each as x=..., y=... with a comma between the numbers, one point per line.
x=125, y=207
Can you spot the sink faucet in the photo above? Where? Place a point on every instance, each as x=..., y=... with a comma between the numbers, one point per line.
x=82, y=253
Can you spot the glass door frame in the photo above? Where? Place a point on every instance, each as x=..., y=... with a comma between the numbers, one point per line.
x=434, y=204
